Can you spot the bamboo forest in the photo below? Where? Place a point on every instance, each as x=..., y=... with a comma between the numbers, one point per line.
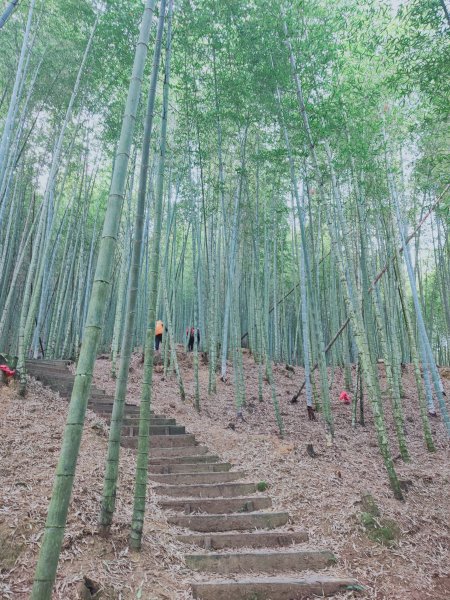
x=224, y=299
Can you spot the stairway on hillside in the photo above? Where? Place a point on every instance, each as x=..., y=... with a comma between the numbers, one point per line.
x=239, y=548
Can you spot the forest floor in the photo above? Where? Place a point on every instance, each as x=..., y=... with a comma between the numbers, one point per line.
x=324, y=494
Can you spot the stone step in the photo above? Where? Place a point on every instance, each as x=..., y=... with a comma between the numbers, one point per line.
x=260, y=562
x=65, y=383
x=131, y=412
x=200, y=467
x=106, y=407
x=49, y=372
x=154, y=429
x=231, y=522
x=177, y=453
x=99, y=401
x=47, y=361
x=162, y=441
x=257, y=539
x=221, y=490
x=64, y=386
x=172, y=441
x=133, y=421
x=189, y=459
x=217, y=505
x=46, y=364
x=65, y=389
x=195, y=478
x=272, y=588
x=100, y=405
x=57, y=376
x=96, y=397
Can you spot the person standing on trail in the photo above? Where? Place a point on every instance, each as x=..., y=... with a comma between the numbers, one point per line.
x=159, y=329
x=191, y=333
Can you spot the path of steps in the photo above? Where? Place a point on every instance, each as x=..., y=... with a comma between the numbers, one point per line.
x=56, y=375
x=239, y=549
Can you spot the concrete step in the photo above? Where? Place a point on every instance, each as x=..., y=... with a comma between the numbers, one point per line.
x=131, y=413
x=47, y=367
x=162, y=441
x=217, y=505
x=100, y=405
x=260, y=562
x=200, y=467
x=57, y=376
x=98, y=400
x=65, y=385
x=185, y=451
x=58, y=372
x=95, y=396
x=133, y=421
x=220, y=490
x=132, y=430
x=231, y=522
x=272, y=588
x=258, y=539
x=189, y=459
x=46, y=361
x=102, y=408
x=62, y=381
x=195, y=478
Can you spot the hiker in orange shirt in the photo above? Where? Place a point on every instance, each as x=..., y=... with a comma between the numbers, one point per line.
x=159, y=329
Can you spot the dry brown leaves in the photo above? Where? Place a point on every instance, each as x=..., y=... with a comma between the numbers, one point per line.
x=322, y=494
x=30, y=438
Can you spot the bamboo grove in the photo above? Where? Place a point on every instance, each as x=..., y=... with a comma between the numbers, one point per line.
x=272, y=173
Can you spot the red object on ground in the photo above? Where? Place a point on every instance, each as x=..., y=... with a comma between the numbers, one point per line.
x=7, y=371
x=344, y=397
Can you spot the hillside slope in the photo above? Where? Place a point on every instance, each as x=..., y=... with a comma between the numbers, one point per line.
x=324, y=494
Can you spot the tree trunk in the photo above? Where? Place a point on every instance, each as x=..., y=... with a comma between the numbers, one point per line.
x=112, y=459
x=62, y=487
x=140, y=489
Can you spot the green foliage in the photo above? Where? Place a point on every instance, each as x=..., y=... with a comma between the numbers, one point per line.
x=355, y=588
x=384, y=531
x=420, y=44
x=379, y=529
x=262, y=486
